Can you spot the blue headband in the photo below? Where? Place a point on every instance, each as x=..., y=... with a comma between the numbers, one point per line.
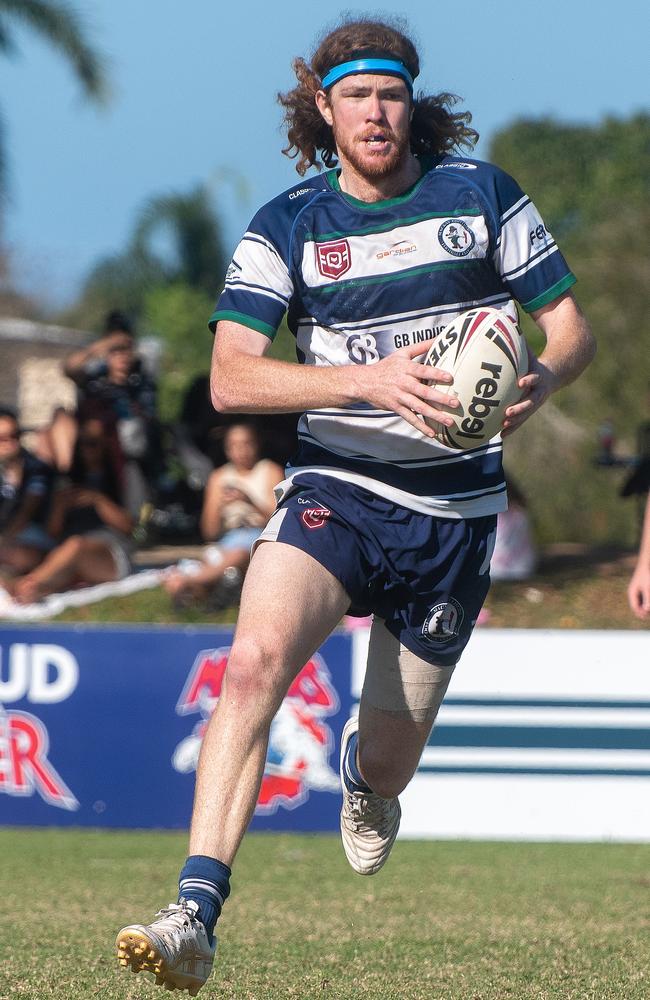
x=392, y=67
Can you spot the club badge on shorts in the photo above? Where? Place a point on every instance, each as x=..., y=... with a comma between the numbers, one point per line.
x=443, y=621
x=315, y=517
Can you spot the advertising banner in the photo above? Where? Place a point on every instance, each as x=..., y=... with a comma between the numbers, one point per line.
x=543, y=735
x=102, y=727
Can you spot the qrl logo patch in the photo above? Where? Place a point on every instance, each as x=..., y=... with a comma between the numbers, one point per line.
x=333, y=258
x=315, y=517
x=443, y=621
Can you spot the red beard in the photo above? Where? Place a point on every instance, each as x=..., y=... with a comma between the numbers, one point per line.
x=374, y=165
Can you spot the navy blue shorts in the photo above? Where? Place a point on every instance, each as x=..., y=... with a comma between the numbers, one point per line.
x=426, y=577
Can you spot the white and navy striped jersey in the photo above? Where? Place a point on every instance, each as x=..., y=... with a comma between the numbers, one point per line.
x=359, y=280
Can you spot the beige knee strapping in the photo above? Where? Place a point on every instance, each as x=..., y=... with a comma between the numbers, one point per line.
x=399, y=681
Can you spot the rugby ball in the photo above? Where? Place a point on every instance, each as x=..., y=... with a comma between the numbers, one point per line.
x=485, y=352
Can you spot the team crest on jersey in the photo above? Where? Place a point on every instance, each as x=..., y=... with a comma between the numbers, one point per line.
x=443, y=621
x=456, y=237
x=333, y=258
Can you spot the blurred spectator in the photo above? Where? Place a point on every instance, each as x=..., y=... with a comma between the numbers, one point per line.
x=515, y=553
x=201, y=423
x=237, y=504
x=113, y=385
x=87, y=519
x=638, y=591
x=25, y=493
x=206, y=428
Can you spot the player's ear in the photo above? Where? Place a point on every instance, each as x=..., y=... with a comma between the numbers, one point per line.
x=323, y=105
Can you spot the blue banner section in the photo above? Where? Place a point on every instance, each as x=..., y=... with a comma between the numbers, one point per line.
x=102, y=727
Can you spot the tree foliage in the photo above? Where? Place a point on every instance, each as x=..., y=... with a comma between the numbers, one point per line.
x=578, y=175
x=194, y=253
x=175, y=240
x=590, y=184
x=178, y=315
x=63, y=27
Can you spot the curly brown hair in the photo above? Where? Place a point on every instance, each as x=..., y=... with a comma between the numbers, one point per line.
x=435, y=129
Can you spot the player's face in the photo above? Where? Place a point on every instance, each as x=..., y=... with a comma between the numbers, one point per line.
x=370, y=117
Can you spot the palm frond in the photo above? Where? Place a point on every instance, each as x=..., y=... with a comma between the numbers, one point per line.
x=191, y=222
x=3, y=165
x=7, y=45
x=61, y=25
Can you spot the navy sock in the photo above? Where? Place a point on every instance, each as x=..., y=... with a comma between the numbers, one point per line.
x=207, y=882
x=351, y=774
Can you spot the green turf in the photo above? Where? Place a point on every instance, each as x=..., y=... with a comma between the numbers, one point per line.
x=443, y=921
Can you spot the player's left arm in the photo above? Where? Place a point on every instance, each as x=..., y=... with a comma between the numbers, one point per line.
x=638, y=591
x=570, y=347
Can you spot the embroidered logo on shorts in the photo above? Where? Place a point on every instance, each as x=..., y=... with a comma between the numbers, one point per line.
x=316, y=517
x=443, y=621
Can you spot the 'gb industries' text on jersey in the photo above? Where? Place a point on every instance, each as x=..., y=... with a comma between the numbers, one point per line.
x=360, y=280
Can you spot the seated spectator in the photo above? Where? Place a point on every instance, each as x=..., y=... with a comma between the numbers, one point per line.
x=238, y=502
x=113, y=385
x=200, y=423
x=88, y=521
x=25, y=493
x=205, y=428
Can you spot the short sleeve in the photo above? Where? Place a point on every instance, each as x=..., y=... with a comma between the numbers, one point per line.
x=258, y=285
x=526, y=256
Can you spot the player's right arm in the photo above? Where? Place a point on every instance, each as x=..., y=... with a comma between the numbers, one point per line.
x=244, y=380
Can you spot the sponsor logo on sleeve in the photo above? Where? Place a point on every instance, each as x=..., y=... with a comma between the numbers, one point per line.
x=539, y=234
x=456, y=166
x=299, y=193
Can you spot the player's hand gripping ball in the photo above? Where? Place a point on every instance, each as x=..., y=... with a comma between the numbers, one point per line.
x=486, y=353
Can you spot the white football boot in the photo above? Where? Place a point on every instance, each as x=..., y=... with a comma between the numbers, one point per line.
x=369, y=824
x=174, y=948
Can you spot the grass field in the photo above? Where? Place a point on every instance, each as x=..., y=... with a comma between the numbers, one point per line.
x=443, y=921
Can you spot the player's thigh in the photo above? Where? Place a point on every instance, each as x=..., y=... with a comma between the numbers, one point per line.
x=289, y=605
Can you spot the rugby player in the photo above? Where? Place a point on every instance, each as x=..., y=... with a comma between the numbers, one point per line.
x=369, y=259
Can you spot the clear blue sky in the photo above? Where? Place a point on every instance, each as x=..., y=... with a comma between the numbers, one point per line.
x=194, y=86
